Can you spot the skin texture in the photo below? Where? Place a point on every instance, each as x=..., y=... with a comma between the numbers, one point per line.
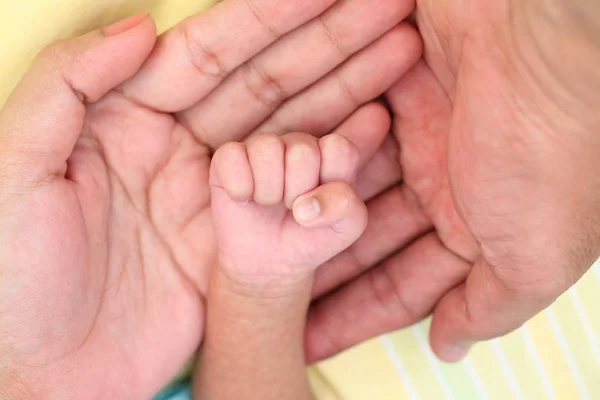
x=298, y=212
x=498, y=206
x=105, y=256
x=106, y=233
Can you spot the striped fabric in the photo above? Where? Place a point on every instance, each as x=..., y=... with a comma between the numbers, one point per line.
x=555, y=356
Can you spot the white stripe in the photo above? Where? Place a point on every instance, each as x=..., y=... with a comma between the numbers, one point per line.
x=508, y=372
x=596, y=270
x=564, y=347
x=539, y=367
x=585, y=322
x=435, y=365
x=475, y=378
x=391, y=352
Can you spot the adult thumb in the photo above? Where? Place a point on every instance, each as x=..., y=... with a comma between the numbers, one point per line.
x=486, y=306
x=44, y=116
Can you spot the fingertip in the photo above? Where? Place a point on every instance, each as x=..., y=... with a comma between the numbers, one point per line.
x=448, y=327
x=138, y=21
x=382, y=122
x=413, y=43
x=148, y=27
x=451, y=352
x=375, y=121
x=69, y=73
x=444, y=338
x=371, y=124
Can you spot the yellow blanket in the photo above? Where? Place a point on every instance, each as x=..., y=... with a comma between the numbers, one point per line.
x=555, y=356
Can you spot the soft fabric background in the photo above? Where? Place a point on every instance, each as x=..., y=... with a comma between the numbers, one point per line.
x=555, y=356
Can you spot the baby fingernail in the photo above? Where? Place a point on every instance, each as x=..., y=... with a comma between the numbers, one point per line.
x=307, y=210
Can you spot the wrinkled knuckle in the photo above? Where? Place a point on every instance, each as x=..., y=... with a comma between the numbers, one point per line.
x=263, y=87
x=262, y=19
x=348, y=93
x=202, y=58
x=61, y=59
x=333, y=37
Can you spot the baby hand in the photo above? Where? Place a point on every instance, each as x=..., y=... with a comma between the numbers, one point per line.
x=282, y=206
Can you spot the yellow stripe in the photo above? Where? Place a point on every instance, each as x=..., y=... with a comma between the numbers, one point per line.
x=588, y=290
x=29, y=29
x=490, y=372
x=580, y=345
x=364, y=372
x=522, y=365
x=552, y=358
x=417, y=368
x=321, y=388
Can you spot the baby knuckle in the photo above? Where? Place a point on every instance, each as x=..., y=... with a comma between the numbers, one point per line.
x=304, y=152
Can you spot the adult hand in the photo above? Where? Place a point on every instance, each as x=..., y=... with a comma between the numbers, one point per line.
x=499, y=200
x=105, y=229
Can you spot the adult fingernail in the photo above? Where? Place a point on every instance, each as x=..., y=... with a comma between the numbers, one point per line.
x=307, y=210
x=455, y=352
x=124, y=25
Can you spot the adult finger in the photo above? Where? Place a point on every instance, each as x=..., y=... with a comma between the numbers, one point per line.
x=339, y=159
x=354, y=143
x=381, y=172
x=363, y=78
x=297, y=61
x=366, y=128
x=192, y=58
x=398, y=293
x=43, y=118
x=395, y=220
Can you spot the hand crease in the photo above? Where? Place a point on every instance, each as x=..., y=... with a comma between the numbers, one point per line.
x=200, y=55
x=261, y=19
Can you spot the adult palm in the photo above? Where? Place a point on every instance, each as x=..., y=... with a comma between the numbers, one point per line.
x=495, y=129
x=106, y=239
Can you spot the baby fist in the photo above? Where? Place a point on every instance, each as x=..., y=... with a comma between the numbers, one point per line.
x=282, y=206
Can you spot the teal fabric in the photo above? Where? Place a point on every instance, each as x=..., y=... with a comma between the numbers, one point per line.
x=180, y=391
